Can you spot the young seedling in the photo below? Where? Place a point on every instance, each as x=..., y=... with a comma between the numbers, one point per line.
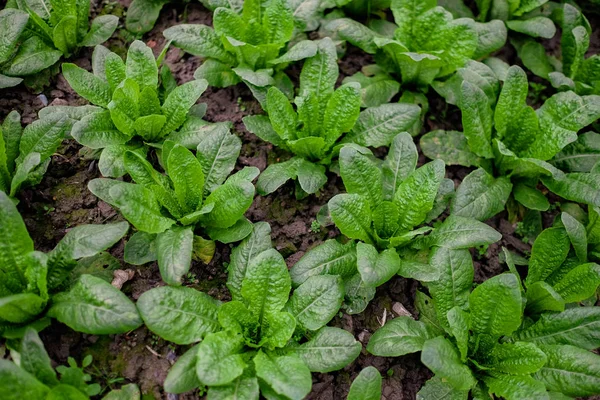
x=195, y=197
x=425, y=44
x=133, y=109
x=25, y=154
x=254, y=343
x=383, y=210
x=36, y=36
x=512, y=144
x=245, y=45
x=323, y=114
x=32, y=280
x=31, y=373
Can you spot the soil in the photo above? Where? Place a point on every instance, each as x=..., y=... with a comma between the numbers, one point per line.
x=62, y=201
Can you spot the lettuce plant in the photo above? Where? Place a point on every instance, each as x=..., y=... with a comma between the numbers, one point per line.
x=31, y=372
x=194, y=196
x=323, y=114
x=26, y=153
x=512, y=144
x=253, y=343
x=134, y=109
x=366, y=386
x=559, y=270
x=38, y=34
x=476, y=341
x=245, y=44
x=382, y=210
x=425, y=44
x=32, y=280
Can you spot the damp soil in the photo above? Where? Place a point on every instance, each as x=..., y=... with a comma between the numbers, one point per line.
x=62, y=201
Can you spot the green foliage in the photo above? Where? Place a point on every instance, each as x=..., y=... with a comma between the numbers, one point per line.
x=37, y=34
x=194, y=193
x=31, y=280
x=366, y=386
x=323, y=115
x=384, y=206
x=425, y=44
x=31, y=374
x=133, y=109
x=246, y=45
x=25, y=153
x=514, y=145
x=261, y=341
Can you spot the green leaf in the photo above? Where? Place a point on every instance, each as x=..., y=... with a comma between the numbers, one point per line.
x=377, y=126
x=311, y=176
x=450, y=147
x=481, y=196
x=301, y=50
x=415, y=195
x=275, y=175
x=399, y=163
x=400, y=336
x=13, y=23
x=281, y=114
x=531, y=198
x=14, y=246
x=140, y=207
x=199, y=40
x=127, y=392
x=513, y=387
x=580, y=283
x=330, y=349
x=477, y=119
x=316, y=301
x=97, y=131
x=179, y=102
x=112, y=159
x=511, y=100
x=534, y=57
x=491, y=36
x=341, y=112
x=101, y=30
x=581, y=155
x=519, y=358
x=15, y=383
x=64, y=34
x=461, y=233
x=220, y=358
x=549, y=251
x=87, y=85
x=142, y=15
x=453, y=286
x=42, y=136
x=436, y=387
x=234, y=233
x=95, y=307
x=329, y=258
x=243, y=387
x=495, y=306
x=174, y=253
x=574, y=326
x=21, y=308
x=358, y=295
x=217, y=74
x=179, y=314
x=577, y=235
x=231, y=201
x=241, y=256
x=320, y=73
x=140, y=65
x=576, y=186
x=267, y=284
x=35, y=359
x=33, y=56
x=366, y=386
x=354, y=33
x=458, y=323
x=187, y=175
x=442, y=358
x=361, y=175
x=536, y=27
x=287, y=375
x=218, y=154
x=182, y=375
x=375, y=269
x=570, y=370
x=352, y=215
x=542, y=297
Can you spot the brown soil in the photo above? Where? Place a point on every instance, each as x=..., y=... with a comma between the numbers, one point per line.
x=62, y=201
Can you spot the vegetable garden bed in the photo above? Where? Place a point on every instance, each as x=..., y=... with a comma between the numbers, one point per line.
x=215, y=216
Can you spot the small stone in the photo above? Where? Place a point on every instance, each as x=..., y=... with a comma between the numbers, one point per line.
x=400, y=310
